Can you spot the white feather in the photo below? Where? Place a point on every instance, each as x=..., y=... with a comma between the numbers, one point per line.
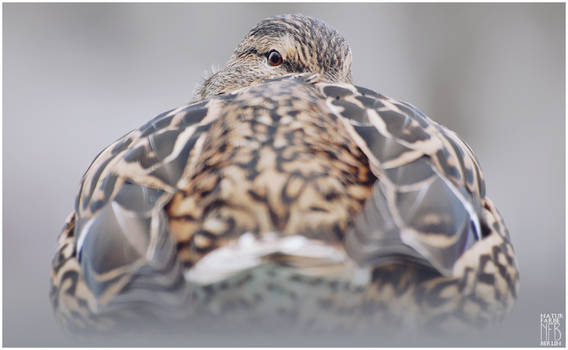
x=247, y=252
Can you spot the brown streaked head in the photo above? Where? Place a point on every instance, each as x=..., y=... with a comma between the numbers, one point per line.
x=282, y=45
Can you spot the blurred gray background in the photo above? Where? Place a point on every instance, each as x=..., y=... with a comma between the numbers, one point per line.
x=78, y=76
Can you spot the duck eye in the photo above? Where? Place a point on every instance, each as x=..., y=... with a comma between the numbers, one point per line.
x=274, y=58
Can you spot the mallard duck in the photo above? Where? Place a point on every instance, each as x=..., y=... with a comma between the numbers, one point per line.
x=285, y=195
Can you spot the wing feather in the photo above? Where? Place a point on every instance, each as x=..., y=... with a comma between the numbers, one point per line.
x=427, y=202
x=117, y=247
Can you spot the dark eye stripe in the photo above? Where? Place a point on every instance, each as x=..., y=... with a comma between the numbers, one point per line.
x=251, y=51
x=289, y=66
x=294, y=67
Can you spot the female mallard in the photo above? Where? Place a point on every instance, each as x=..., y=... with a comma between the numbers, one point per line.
x=285, y=195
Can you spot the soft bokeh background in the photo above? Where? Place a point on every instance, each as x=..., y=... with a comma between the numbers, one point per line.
x=78, y=76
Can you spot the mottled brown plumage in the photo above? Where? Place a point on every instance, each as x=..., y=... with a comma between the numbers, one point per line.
x=286, y=197
x=306, y=45
x=276, y=166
